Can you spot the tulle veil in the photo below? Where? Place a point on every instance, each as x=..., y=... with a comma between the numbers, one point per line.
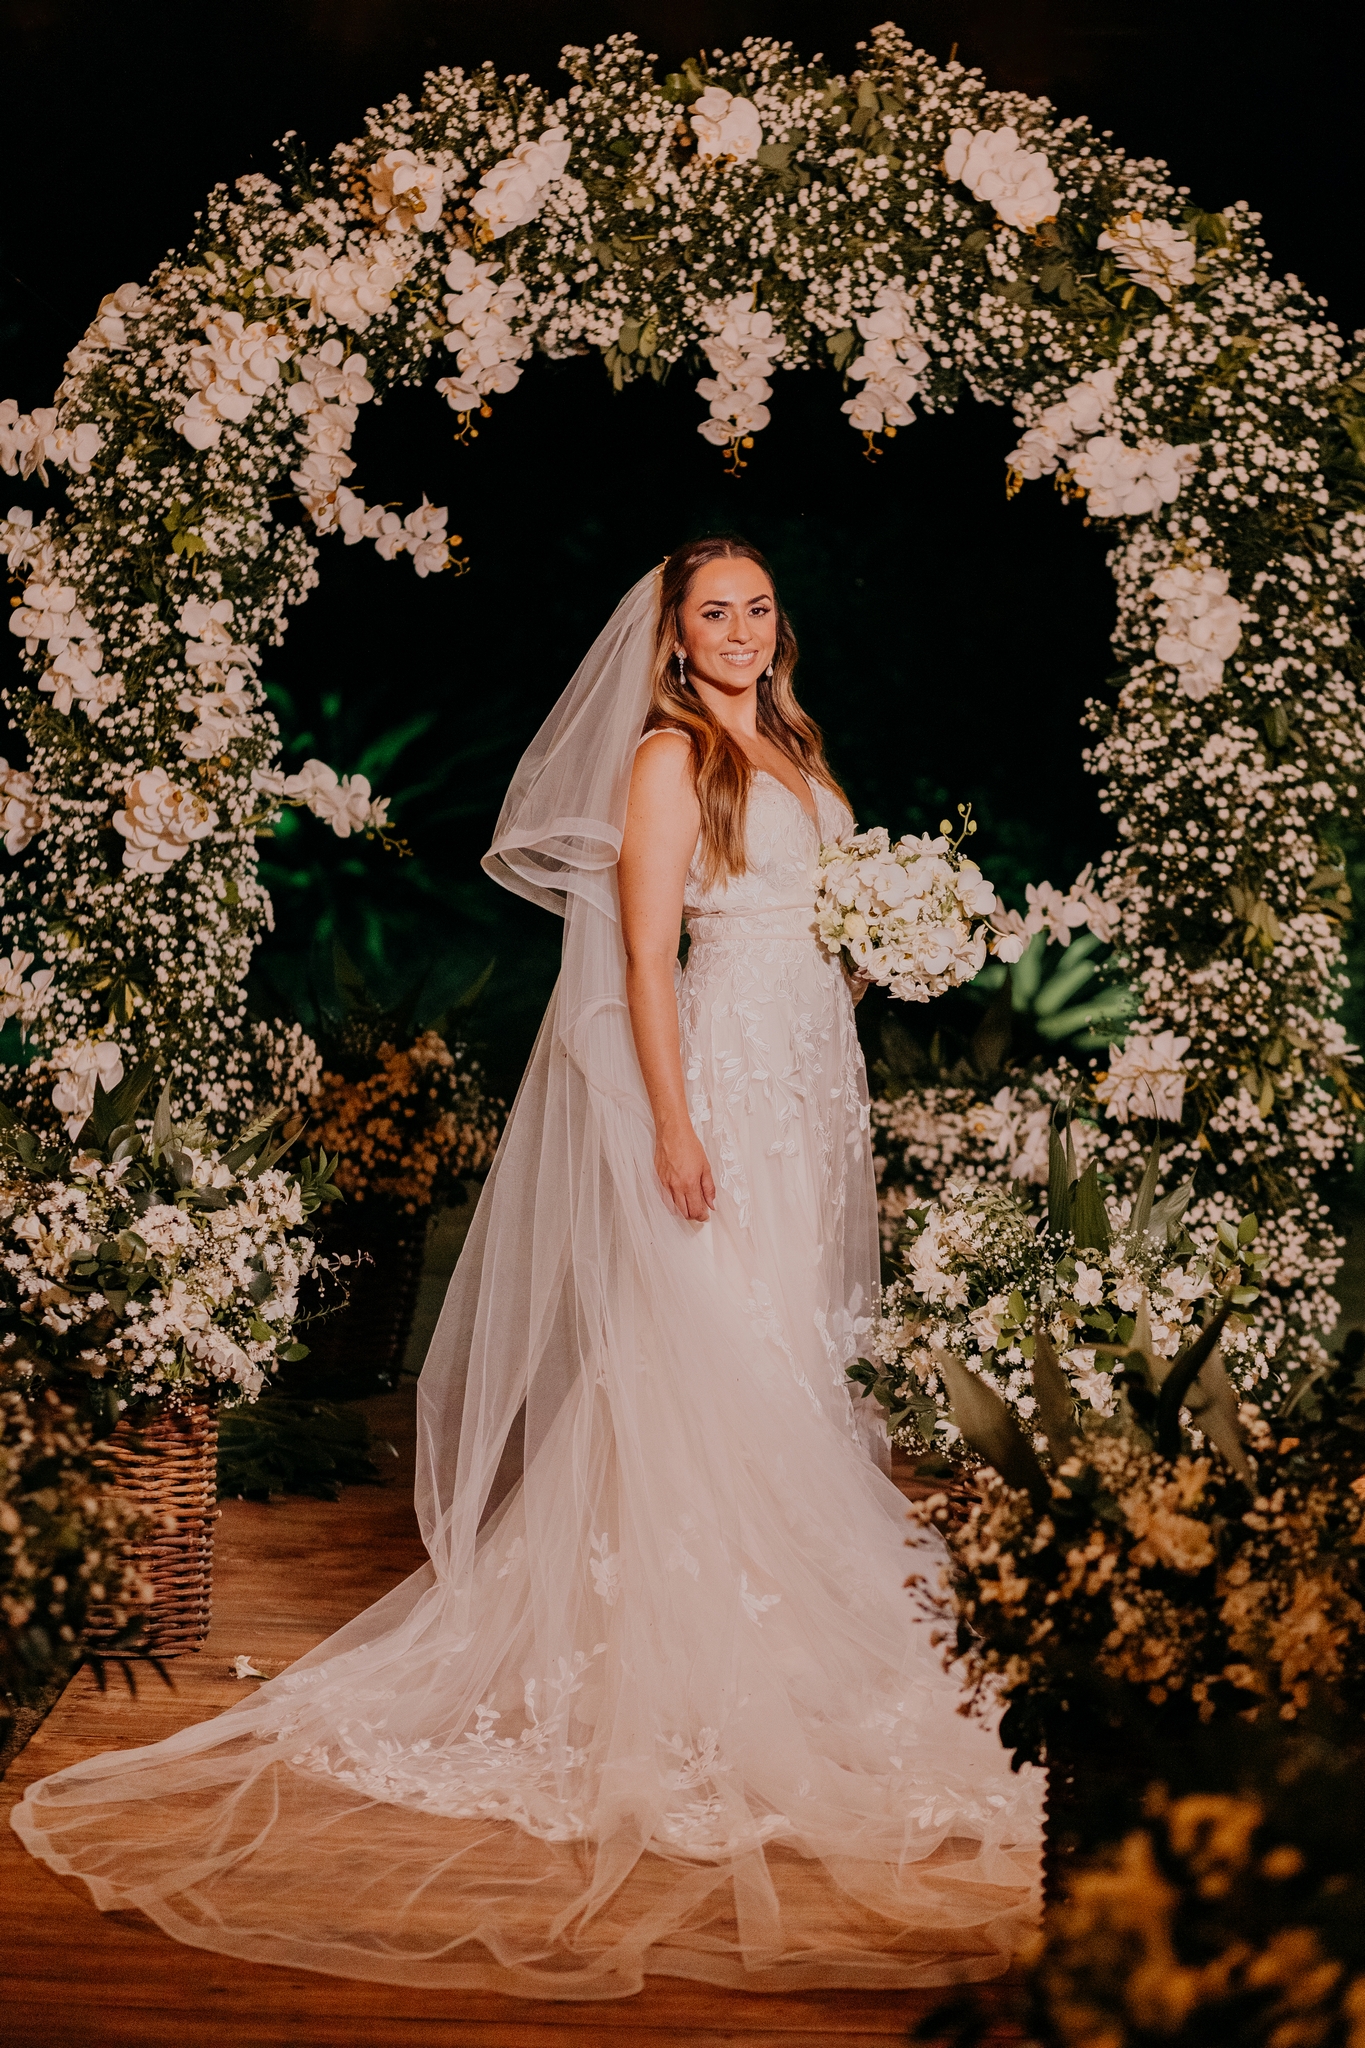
x=634, y=1713
x=529, y=1308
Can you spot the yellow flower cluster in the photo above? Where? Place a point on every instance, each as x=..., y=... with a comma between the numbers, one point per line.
x=1185, y=1933
x=1163, y=1576
x=408, y=1130
x=1286, y=1603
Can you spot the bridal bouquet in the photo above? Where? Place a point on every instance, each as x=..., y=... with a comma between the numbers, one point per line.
x=915, y=916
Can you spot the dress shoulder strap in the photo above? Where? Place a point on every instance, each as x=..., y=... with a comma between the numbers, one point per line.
x=655, y=730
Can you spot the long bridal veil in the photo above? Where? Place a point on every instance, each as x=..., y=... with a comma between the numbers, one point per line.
x=656, y=1702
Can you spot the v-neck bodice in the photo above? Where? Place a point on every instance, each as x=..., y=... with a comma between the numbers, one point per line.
x=775, y=896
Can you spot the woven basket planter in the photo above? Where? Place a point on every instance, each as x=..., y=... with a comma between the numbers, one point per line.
x=167, y=1465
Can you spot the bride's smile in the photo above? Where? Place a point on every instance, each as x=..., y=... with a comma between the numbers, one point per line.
x=728, y=626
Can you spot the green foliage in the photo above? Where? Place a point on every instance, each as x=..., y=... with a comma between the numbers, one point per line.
x=993, y=1433
x=1045, y=984
x=417, y=933
x=288, y=1443
x=1003, y=1024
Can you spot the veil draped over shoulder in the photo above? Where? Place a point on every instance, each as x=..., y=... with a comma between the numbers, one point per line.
x=657, y=1700
x=531, y=1303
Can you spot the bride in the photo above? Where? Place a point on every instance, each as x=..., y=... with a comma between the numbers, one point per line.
x=658, y=1702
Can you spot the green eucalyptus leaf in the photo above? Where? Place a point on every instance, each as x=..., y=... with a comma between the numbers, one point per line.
x=1212, y=1406
x=117, y=1108
x=842, y=346
x=162, y=1124
x=1178, y=1380
x=1163, y=1225
x=1146, y=1194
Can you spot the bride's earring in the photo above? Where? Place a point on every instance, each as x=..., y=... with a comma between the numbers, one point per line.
x=682, y=670
x=768, y=672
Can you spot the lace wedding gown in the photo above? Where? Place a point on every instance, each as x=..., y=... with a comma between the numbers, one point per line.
x=669, y=1709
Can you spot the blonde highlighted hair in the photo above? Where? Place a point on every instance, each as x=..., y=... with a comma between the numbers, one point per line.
x=721, y=771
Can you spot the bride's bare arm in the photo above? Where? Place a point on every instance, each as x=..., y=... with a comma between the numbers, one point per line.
x=661, y=831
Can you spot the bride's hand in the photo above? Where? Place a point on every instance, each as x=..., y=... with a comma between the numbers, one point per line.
x=858, y=984
x=681, y=1164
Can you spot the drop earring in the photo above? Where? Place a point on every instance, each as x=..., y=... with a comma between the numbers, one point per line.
x=768, y=672
x=682, y=670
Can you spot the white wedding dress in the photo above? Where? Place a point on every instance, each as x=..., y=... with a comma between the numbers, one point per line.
x=669, y=1709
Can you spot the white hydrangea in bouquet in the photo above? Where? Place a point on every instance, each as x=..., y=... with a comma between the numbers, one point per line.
x=914, y=915
x=983, y=1274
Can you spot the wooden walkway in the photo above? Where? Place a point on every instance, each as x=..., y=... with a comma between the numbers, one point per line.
x=287, y=1574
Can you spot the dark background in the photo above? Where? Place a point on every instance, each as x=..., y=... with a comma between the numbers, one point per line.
x=949, y=638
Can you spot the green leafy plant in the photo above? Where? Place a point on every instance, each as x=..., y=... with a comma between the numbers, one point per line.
x=287, y=1443
x=1046, y=992
x=1120, y=1571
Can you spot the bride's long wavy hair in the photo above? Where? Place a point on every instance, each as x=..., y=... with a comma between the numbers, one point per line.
x=720, y=768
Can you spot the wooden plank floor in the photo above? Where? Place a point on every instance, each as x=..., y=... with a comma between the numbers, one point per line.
x=286, y=1575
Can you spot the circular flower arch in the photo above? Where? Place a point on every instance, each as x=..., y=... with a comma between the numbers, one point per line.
x=906, y=229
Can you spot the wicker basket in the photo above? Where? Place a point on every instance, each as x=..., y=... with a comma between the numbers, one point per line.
x=167, y=1465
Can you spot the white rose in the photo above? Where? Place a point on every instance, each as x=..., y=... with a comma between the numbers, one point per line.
x=160, y=820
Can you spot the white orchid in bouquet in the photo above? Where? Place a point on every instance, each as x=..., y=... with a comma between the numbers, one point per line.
x=985, y=1275
x=917, y=917
x=913, y=915
x=145, y=1258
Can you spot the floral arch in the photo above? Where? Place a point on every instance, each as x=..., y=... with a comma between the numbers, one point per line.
x=907, y=228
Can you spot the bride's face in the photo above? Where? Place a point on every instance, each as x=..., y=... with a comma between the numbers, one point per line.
x=729, y=625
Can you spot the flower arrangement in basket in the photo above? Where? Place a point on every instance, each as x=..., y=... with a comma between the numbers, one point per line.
x=148, y=1260
x=64, y=1535
x=146, y=1278
x=406, y=1114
